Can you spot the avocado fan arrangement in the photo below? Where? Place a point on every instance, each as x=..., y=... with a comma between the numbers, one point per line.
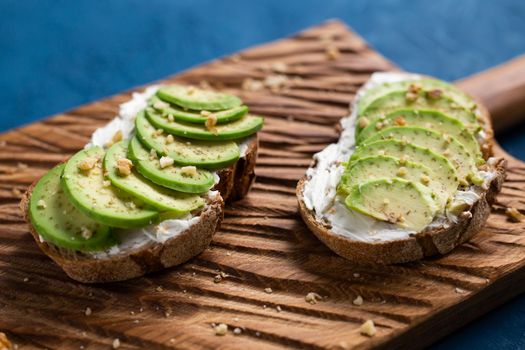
x=411, y=165
x=164, y=170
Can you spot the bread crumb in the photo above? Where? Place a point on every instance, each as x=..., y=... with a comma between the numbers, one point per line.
x=414, y=88
x=368, y=328
x=221, y=329
x=41, y=204
x=116, y=343
x=88, y=311
x=85, y=232
x=514, y=214
x=5, y=344
x=253, y=85
x=358, y=301
x=189, y=171
x=87, y=163
x=268, y=290
x=153, y=154
x=313, y=298
x=379, y=126
x=124, y=166
x=237, y=331
x=166, y=162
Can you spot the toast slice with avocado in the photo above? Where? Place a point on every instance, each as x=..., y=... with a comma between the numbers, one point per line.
x=148, y=191
x=411, y=176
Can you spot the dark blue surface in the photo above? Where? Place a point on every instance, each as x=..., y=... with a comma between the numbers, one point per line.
x=55, y=55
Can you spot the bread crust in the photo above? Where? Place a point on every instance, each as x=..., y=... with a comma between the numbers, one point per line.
x=423, y=244
x=235, y=182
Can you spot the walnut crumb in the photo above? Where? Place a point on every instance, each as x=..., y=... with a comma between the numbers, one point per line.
x=152, y=154
x=356, y=274
x=116, y=343
x=41, y=204
x=159, y=289
x=514, y=214
x=211, y=122
x=279, y=67
x=87, y=163
x=221, y=329
x=425, y=179
x=402, y=171
x=160, y=105
x=368, y=328
x=165, y=162
x=217, y=278
x=275, y=82
x=170, y=139
x=268, y=290
x=189, y=171
x=124, y=166
x=313, y=298
x=414, y=88
x=88, y=311
x=358, y=301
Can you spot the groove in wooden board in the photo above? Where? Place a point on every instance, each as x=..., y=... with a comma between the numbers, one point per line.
x=262, y=242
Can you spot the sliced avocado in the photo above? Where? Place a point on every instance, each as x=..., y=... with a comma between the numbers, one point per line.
x=426, y=84
x=164, y=199
x=429, y=119
x=171, y=177
x=243, y=127
x=448, y=147
x=404, y=203
x=89, y=193
x=398, y=100
x=59, y=222
x=376, y=167
x=203, y=154
x=197, y=117
x=443, y=171
x=189, y=97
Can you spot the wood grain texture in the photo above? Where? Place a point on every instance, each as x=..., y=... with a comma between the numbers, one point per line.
x=262, y=243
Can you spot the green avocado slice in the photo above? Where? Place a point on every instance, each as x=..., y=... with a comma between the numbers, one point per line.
x=189, y=97
x=449, y=147
x=455, y=94
x=89, y=193
x=429, y=119
x=241, y=128
x=164, y=199
x=203, y=154
x=443, y=171
x=59, y=222
x=171, y=177
x=376, y=167
x=392, y=101
x=179, y=114
x=404, y=203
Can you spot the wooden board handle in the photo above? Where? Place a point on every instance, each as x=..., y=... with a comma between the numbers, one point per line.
x=502, y=90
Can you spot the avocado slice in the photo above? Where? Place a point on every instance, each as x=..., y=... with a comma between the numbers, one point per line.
x=189, y=97
x=426, y=84
x=171, y=177
x=404, y=203
x=203, y=154
x=443, y=171
x=164, y=199
x=429, y=119
x=89, y=193
x=376, y=167
x=449, y=147
x=179, y=114
x=243, y=127
x=59, y=222
x=398, y=100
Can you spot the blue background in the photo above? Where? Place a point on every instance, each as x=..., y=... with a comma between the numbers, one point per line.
x=55, y=55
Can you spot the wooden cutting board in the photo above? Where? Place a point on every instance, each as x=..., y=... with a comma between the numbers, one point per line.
x=308, y=81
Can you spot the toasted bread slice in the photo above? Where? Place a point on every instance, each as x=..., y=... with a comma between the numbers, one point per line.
x=433, y=240
x=150, y=256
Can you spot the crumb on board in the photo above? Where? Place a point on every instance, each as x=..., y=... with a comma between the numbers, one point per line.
x=313, y=298
x=221, y=329
x=514, y=214
x=368, y=328
x=116, y=343
x=217, y=278
x=268, y=290
x=237, y=331
x=88, y=311
x=159, y=289
x=358, y=301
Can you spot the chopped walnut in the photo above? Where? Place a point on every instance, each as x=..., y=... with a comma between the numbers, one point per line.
x=358, y=301
x=268, y=290
x=85, y=232
x=211, y=121
x=170, y=139
x=402, y=171
x=425, y=179
x=400, y=121
x=221, y=329
x=217, y=278
x=41, y=204
x=124, y=166
x=313, y=298
x=166, y=162
x=368, y=328
x=514, y=214
x=189, y=171
x=152, y=154
x=434, y=94
x=250, y=84
x=87, y=163
x=363, y=122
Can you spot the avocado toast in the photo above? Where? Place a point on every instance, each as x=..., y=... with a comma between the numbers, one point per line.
x=411, y=176
x=147, y=192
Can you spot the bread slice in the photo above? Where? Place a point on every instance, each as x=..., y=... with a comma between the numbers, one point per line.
x=427, y=243
x=235, y=182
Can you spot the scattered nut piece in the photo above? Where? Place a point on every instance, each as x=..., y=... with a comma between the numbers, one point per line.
x=87, y=312
x=169, y=139
x=160, y=105
x=514, y=214
x=41, y=204
x=237, y=331
x=206, y=113
x=152, y=154
x=165, y=162
x=332, y=52
x=414, y=88
x=363, y=122
x=434, y=94
x=211, y=122
x=425, y=179
x=85, y=232
x=401, y=171
x=221, y=329
x=124, y=166
x=268, y=290
x=358, y=301
x=87, y=163
x=106, y=183
x=217, y=279
x=368, y=328
x=400, y=121
x=411, y=96
x=16, y=192
x=189, y=171
x=116, y=343
x=159, y=289
x=313, y=298
x=278, y=308
x=250, y=84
